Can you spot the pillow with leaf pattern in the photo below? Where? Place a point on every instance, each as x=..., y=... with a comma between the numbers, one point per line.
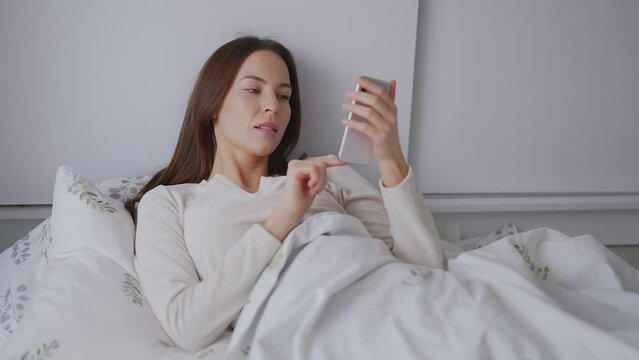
x=82, y=217
x=122, y=189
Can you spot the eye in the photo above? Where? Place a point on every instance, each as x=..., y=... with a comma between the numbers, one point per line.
x=284, y=97
x=253, y=91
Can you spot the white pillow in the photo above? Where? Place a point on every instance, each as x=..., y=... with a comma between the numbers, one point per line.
x=82, y=217
x=88, y=307
x=89, y=304
x=21, y=269
x=123, y=189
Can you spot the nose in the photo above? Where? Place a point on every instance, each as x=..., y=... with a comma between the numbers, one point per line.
x=271, y=104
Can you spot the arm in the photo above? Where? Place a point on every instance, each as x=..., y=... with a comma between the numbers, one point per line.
x=193, y=311
x=412, y=225
x=398, y=216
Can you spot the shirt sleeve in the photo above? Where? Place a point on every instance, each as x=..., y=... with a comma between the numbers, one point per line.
x=412, y=225
x=194, y=312
x=397, y=215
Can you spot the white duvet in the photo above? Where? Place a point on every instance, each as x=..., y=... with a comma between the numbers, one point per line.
x=332, y=292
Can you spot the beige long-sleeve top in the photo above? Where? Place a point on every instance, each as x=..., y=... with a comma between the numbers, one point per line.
x=201, y=247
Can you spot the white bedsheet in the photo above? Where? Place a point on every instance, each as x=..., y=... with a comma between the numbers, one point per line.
x=333, y=293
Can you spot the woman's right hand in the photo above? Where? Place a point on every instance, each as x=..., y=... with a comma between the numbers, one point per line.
x=304, y=180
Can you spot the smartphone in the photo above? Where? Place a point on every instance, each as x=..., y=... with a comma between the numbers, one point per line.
x=357, y=147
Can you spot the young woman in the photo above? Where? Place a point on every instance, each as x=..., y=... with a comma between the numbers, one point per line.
x=209, y=222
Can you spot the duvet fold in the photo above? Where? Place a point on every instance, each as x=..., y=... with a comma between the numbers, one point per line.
x=333, y=292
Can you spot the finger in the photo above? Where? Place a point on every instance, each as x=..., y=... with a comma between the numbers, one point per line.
x=311, y=188
x=316, y=173
x=308, y=170
x=372, y=101
x=316, y=184
x=316, y=189
x=393, y=89
x=376, y=89
x=362, y=127
x=301, y=171
x=328, y=160
x=307, y=175
x=370, y=114
x=319, y=188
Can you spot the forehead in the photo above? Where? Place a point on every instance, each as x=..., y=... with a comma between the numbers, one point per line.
x=265, y=64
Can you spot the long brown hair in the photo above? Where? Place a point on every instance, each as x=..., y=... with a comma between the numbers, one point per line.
x=194, y=154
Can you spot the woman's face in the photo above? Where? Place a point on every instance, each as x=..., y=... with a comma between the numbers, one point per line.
x=256, y=110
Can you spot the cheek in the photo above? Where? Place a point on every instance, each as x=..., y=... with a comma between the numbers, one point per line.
x=286, y=113
x=242, y=106
x=228, y=124
x=238, y=102
x=235, y=116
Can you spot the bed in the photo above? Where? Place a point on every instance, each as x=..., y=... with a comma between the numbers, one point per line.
x=68, y=290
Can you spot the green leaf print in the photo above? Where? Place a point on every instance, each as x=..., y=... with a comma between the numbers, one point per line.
x=205, y=352
x=129, y=188
x=79, y=185
x=418, y=276
x=166, y=343
x=539, y=272
x=45, y=352
x=276, y=261
x=131, y=288
x=200, y=354
x=246, y=350
x=20, y=250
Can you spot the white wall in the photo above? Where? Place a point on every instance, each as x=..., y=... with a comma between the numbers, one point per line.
x=102, y=86
x=527, y=97
x=527, y=112
x=509, y=97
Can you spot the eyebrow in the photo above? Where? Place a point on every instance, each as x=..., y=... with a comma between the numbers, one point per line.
x=286, y=85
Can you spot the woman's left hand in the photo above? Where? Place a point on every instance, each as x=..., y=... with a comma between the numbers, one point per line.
x=380, y=110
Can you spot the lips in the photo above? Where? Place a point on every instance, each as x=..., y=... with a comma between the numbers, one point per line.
x=268, y=125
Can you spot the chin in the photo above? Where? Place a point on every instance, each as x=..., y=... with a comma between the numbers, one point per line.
x=262, y=152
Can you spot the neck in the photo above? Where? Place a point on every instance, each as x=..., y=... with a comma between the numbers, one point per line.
x=243, y=169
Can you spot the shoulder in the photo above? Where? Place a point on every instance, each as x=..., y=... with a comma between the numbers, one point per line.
x=171, y=196
x=158, y=199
